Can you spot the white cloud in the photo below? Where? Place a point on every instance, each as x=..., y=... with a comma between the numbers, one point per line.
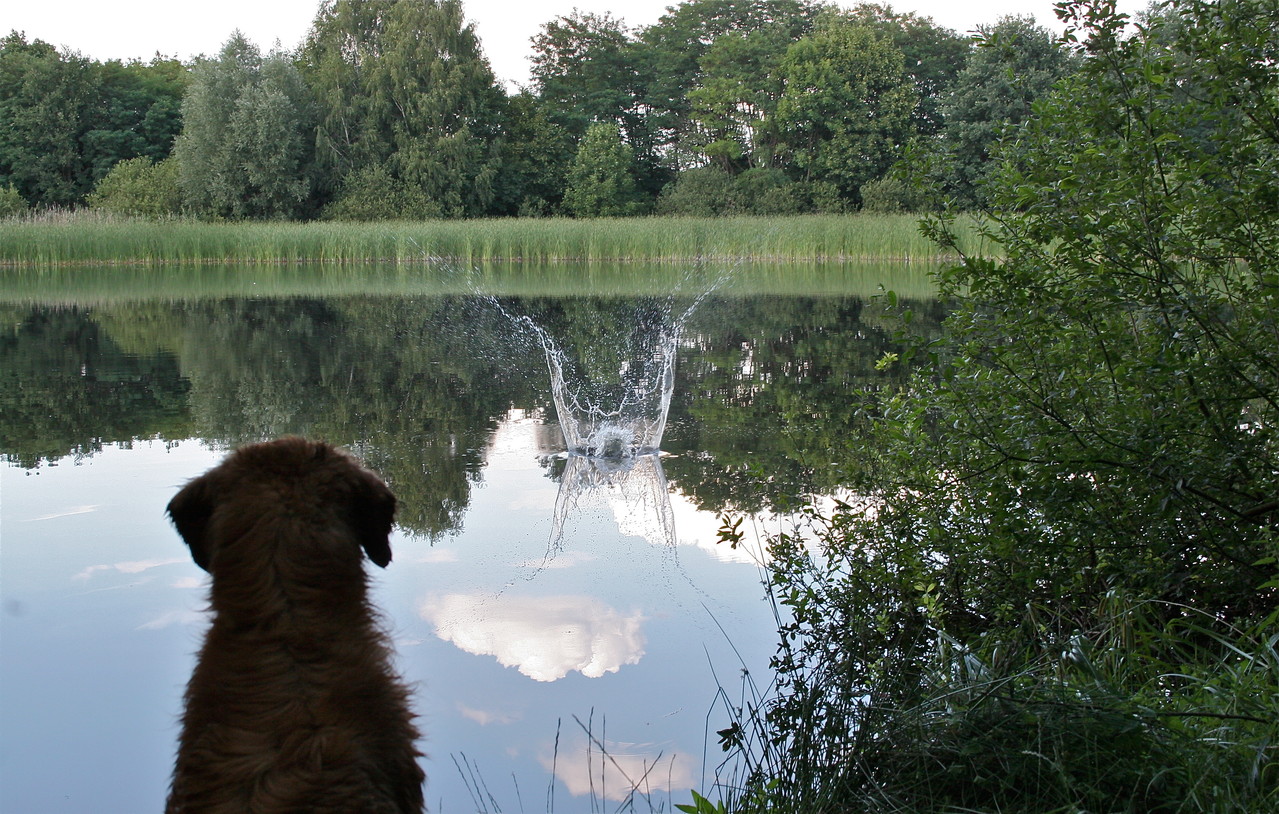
x=135, y=567
x=545, y=638
x=628, y=767
x=484, y=717
x=185, y=616
x=438, y=555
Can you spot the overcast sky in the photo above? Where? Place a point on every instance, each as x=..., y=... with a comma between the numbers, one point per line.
x=129, y=29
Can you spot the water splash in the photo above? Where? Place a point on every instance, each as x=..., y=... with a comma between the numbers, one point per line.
x=634, y=489
x=612, y=390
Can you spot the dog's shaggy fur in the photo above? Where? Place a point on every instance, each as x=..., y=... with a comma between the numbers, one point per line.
x=293, y=705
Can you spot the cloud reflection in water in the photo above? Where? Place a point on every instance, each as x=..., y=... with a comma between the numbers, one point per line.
x=545, y=638
x=621, y=771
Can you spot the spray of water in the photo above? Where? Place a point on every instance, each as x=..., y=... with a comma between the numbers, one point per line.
x=612, y=401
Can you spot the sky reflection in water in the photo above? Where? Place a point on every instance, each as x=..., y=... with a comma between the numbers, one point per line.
x=511, y=628
x=541, y=605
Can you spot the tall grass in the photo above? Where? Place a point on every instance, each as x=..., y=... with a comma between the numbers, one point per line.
x=90, y=237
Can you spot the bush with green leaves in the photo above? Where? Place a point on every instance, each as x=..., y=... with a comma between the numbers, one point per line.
x=140, y=186
x=11, y=202
x=373, y=193
x=894, y=193
x=1057, y=588
x=702, y=193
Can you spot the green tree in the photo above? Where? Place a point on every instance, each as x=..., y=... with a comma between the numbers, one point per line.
x=535, y=158
x=68, y=120
x=46, y=103
x=245, y=149
x=734, y=107
x=670, y=58
x=933, y=57
x=582, y=68
x=846, y=106
x=586, y=68
x=139, y=113
x=1016, y=63
x=1057, y=588
x=404, y=84
x=601, y=181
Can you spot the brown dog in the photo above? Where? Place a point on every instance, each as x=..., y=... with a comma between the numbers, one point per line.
x=293, y=705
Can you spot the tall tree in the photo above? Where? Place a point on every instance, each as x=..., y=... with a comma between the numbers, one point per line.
x=933, y=56
x=734, y=107
x=846, y=106
x=66, y=120
x=404, y=84
x=601, y=181
x=535, y=160
x=139, y=114
x=672, y=50
x=46, y=104
x=245, y=148
x=1016, y=63
x=587, y=68
x=583, y=68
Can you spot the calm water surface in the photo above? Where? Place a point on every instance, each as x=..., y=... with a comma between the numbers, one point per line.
x=546, y=614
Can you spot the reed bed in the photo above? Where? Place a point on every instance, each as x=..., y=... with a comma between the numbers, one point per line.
x=52, y=239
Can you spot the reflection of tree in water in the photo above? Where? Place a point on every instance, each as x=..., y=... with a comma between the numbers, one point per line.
x=66, y=387
x=766, y=397
x=763, y=406
x=404, y=382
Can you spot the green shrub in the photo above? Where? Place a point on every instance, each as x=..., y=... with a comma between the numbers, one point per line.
x=767, y=191
x=821, y=197
x=373, y=193
x=891, y=194
x=138, y=186
x=12, y=202
x=703, y=192
x=1052, y=586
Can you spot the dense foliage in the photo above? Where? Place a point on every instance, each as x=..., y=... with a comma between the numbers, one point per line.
x=244, y=151
x=65, y=120
x=1056, y=587
x=389, y=109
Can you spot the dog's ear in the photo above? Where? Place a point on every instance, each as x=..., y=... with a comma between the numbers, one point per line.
x=190, y=511
x=373, y=514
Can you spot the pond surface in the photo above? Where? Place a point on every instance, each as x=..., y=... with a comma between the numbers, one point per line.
x=571, y=633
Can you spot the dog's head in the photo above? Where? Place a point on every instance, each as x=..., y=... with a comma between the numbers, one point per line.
x=290, y=477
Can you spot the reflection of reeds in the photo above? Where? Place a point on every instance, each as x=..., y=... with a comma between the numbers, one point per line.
x=637, y=793
x=92, y=237
x=101, y=284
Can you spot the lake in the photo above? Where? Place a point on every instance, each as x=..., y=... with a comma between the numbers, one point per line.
x=572, y=631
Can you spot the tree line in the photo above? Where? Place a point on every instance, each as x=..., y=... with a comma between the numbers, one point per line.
x=389, y=109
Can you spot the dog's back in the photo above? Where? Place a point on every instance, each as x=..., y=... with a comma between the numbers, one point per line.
x=293, y=705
